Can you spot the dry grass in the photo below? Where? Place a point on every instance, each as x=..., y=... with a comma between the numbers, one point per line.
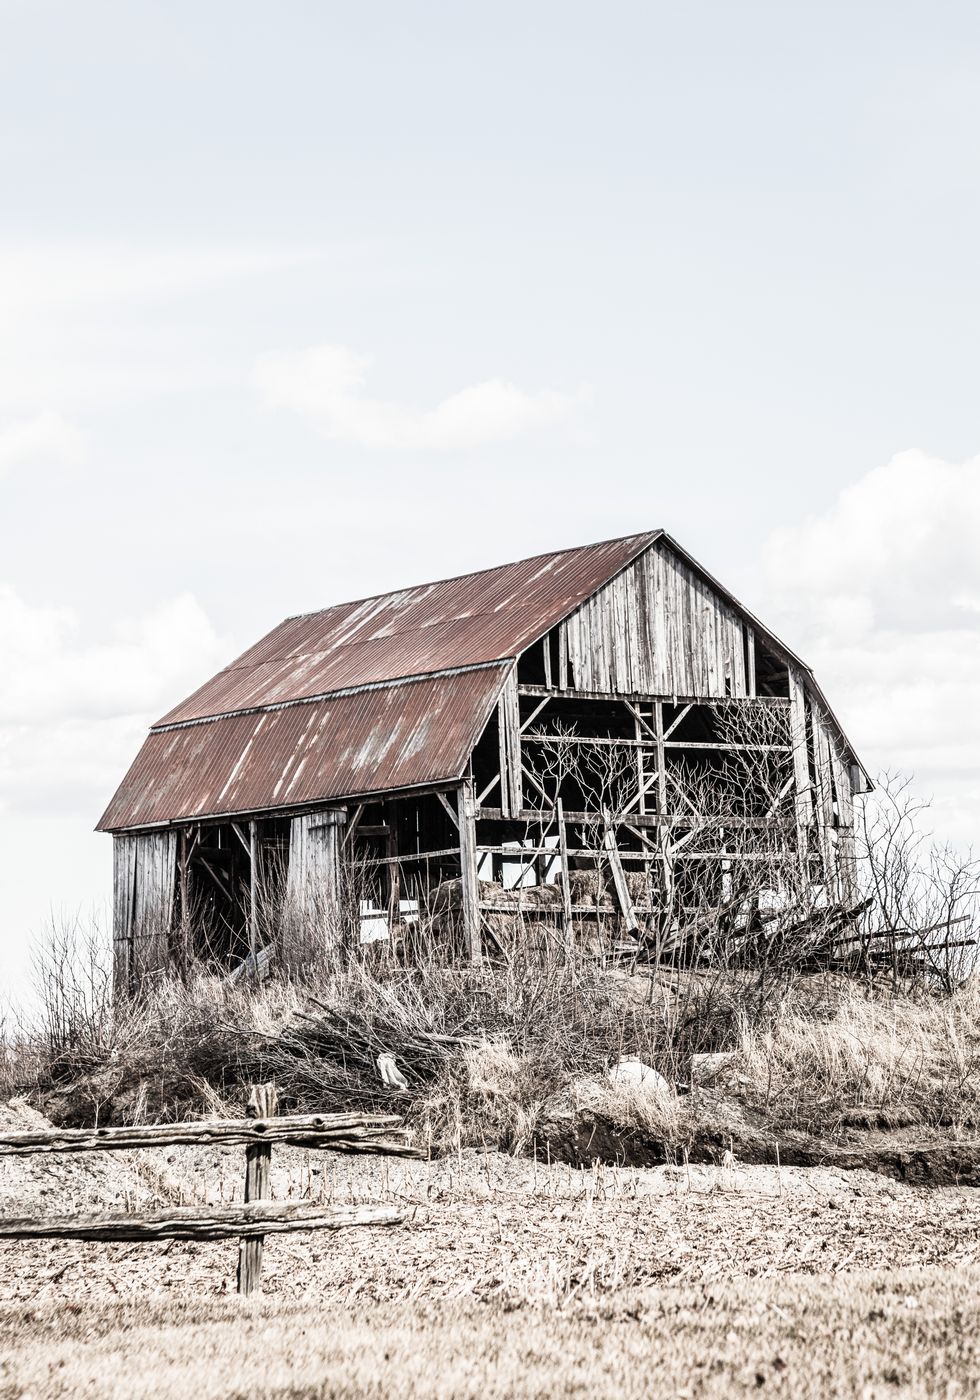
x=879, y=1060
x=911, y=1333
x=494, y=1056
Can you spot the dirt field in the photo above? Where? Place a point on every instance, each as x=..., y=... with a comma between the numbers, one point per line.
x=508, y=1278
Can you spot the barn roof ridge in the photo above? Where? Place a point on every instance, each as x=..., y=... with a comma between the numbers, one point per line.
x=648, y=536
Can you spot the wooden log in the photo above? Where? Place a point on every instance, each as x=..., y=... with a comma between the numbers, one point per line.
x=262, y=1103
x=200, y=1222
x=341, y=1132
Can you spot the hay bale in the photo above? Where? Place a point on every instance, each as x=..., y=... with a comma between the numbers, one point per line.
x=586, y=886
x=638, y=883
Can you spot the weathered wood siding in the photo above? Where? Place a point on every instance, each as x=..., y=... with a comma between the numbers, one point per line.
x=824, y=789
x=313, y=890
x=144, y=879
x=658, y=629
x=509, y=727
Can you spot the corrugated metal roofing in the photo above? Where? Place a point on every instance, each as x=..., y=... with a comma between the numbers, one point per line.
x=465, y=621
x=395, y=736
x=426, y=663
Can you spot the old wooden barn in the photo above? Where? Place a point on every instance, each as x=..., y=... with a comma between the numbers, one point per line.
x=597, y=744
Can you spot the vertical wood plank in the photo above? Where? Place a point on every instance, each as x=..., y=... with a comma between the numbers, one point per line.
x=466, y=809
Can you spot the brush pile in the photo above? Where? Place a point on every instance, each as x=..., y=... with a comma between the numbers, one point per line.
x=330, y=1056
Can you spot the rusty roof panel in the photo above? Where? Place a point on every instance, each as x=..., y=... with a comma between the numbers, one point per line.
x=396, y=736
x=462, y=621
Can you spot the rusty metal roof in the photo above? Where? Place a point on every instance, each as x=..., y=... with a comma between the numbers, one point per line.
x=390, y=692
x=466, y=621
x=404, y=735
x=385, y=693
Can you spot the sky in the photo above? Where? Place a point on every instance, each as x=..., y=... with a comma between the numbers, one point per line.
x=306, y=301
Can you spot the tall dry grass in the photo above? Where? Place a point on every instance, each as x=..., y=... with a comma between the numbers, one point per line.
x=493, y=1054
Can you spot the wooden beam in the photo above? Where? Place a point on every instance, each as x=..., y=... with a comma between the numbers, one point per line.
x=246, y=845
x=619, y=697
x=619, y=879
x=566, y=890
x=357, y=1132
x=466, y=811
x=801, y=765
x=200, y=1222
x=354, y=823
x=677, y=720
x=534, y=714
x=253, y=897
x=626, y=817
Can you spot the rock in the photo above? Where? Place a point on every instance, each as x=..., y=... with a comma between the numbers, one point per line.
x=635, y=1074
x=705, y=1069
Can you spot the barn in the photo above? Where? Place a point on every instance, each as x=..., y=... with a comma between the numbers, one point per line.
x=600, y=740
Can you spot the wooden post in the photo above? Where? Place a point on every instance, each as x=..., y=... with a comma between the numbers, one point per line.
x=262, y=1103
x=801, y=770
x=566, y=887
x=663, y=830
x=470, y=879
x=253, y=896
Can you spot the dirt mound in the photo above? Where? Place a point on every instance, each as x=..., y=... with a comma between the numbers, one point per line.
x=720, y=1130
x=63, y=1183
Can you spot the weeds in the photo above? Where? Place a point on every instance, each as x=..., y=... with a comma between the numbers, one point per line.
x=492, y=1054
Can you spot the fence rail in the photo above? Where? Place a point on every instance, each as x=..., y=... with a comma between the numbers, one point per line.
x=200, y=1222
x=342, y=1132
x=251, y=1221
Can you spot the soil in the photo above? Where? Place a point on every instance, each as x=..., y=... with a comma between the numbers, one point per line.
x=481, y=1226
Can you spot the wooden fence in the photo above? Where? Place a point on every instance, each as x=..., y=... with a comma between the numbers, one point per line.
x=251, y=1221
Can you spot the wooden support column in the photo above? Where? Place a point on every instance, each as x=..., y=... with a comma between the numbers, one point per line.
x=262, y=1103
x=566, y=887
x=663, y=830
x=801, y=765
x=824, y=804
x=509, y=728
x=253, y=890
x=466, y=810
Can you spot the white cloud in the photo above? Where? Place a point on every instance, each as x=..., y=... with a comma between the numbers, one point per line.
x=39, y=277
x=327, y=384
x=881, y=594
x=73, y=710
x=86, y=323
x=45, y=438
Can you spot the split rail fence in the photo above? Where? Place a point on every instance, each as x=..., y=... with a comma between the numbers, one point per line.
x=250, y=1221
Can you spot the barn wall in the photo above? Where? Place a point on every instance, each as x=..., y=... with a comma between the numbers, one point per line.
x=144, y=875
x=313, y=892
x=658, y=629
x=824, y=789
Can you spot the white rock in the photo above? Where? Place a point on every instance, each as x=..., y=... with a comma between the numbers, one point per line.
x=638, y=1075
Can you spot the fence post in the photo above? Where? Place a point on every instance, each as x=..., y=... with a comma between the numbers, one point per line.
x=262, y=1103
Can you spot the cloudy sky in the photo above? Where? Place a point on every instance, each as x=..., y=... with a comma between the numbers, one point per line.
x=304, y=301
